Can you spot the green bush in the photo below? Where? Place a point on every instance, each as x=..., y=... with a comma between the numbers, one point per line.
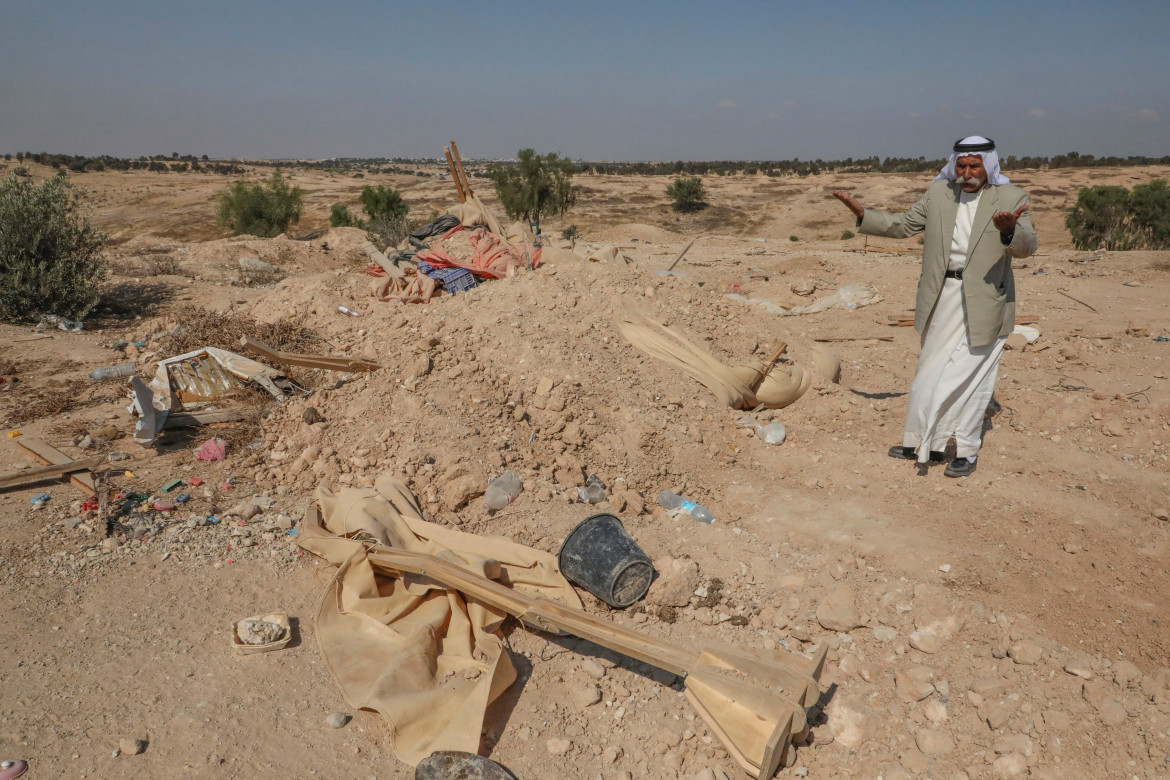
x=1149, y=208
x=848, y=234
x=50, y=256
x=794, y=238
x=570, y=233
x=264, y=210
x=686, y=193
x=383, y=202
x=536, y=185
x=1100, y=219
x=386, y=231
x=339, y=216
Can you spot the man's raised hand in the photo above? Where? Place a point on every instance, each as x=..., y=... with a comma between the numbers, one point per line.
x=1005, y=221
x=856, y=207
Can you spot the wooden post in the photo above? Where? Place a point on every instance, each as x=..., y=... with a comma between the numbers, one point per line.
x=455, y=176
x=459, y=163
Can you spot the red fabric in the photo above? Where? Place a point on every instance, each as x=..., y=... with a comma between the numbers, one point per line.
x=490, y=259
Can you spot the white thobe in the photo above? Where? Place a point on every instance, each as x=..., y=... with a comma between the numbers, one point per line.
x=954, y=381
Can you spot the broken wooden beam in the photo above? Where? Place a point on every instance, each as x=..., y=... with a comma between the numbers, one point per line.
x=50, y=456
x=197, y=419
x=33, y=476
x=352, y=365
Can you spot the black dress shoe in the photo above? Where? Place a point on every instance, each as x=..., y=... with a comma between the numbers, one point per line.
x=908, y=453
x=960, y=467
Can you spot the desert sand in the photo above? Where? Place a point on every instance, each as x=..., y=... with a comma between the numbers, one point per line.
x=1010, y=624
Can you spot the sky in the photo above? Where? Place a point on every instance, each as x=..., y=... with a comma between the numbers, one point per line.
x=596, y=80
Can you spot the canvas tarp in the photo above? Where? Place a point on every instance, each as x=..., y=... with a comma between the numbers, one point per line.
x=430, y=660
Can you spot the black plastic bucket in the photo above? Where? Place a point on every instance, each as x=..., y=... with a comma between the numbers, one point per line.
x=602, y=558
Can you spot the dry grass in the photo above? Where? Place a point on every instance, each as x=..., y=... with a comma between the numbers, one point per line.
x=203, y=328
x=57, y=398
x=253, y=277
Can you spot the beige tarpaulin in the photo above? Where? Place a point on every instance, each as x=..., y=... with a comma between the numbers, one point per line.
x=428, y=659
x=473, y=213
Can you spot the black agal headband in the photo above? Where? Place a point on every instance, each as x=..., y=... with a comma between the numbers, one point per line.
x=961, y=147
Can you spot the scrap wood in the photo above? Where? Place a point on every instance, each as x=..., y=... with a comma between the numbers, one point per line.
x=381, y=260
x=902, y=321
x=858, y=338
x=463, y=173
x=198, y=419
x=1078, y=300
x=33, y=476
x=352, y=365
x=455, y=176
x=754, y=701
x=50, y=456
x=680, y=254
x=33, y=338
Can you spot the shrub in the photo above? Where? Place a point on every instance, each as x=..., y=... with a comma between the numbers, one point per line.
x=848, y=234
x=264, y=210
x=1149, y=207
x=20, y=170
x=383, y=202
x=387, y=231
x=686, y=193
x=339, y=216
x=535, y=186
x=157, y=167
x=50, y=256
x=570, y=233
x=1100, y=219
x=794, y=238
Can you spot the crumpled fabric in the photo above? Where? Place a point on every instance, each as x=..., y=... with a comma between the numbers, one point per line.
x=211, y=450
x=428, y=659
x=415, y=289
x=491, y=256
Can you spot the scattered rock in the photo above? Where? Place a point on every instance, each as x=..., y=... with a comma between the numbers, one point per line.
x=1126, y=674
x=593, y=668
x=1010, y=766
x=586, y=696
x=933, y=742
x=131, y=747
x=677, y=580
x=245, y=510
x=558, y=747
x=1026, y=652
x=336, y=720
x=924, y=641
x=311, y=416
x=1111, y=712
x=852, y=722
x=837, y=612
x=885, y=633
x=258, y=632
x=909, y=689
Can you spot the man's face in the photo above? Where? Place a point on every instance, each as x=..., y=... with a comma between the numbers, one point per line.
x=970, y=173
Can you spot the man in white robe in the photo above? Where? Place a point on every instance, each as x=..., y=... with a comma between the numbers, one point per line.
x=966, y=297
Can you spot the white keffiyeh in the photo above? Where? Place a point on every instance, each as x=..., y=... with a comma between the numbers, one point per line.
x=990, y=162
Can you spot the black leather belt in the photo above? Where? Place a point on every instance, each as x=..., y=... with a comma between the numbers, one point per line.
x=955, y=274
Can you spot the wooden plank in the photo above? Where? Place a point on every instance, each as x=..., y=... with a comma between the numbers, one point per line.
x=859, y=338
x=352, y=365
x=463, y=173
x=51, y=456
x=33, y=476
x=196, y=419
x=455, y=176
x=678, y=259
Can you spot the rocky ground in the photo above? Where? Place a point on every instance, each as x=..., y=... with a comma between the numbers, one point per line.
x=1005, y=625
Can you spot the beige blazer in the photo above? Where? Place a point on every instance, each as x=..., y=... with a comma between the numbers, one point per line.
x=988, y=286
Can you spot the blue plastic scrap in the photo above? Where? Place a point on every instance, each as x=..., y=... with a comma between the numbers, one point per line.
x=39, y=498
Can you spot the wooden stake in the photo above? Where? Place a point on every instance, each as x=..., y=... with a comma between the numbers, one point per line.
x=459, y=164
x=859, y=338
x=680, y=254
x=455, y=176
x=1078, y=300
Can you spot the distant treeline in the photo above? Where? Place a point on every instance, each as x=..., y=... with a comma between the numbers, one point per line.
x=797, y=167
x=160, y=163
x=396, y=165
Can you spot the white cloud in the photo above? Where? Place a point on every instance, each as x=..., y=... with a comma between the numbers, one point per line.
x=1145, y=115
x=1037, y=113
x=726, y=104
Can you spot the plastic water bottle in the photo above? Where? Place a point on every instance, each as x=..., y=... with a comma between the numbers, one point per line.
x=503, y=490
x=347, y=311
x=671, y=501
x=593, y=492
x=112, y=372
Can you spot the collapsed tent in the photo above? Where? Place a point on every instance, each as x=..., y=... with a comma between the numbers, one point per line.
x=204, y=375
x=430, y=660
